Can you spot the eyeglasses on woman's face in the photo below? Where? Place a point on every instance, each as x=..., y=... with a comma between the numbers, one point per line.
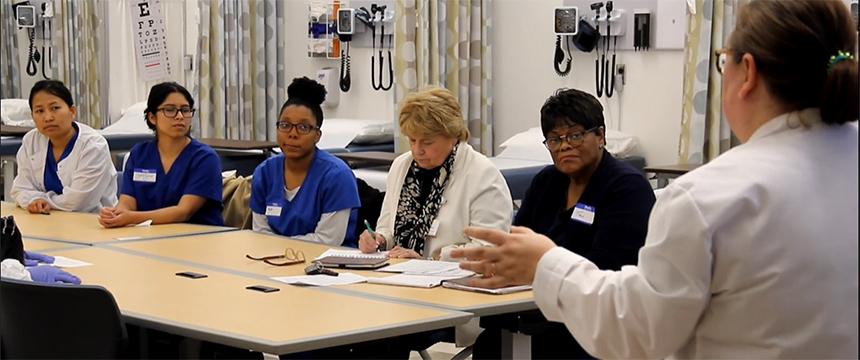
x=722, y=55
x=301, y=128
x=575, y=139
x=170, y=111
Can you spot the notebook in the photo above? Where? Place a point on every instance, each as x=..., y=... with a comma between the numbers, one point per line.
x=421, y=281
x=461, y=284
x=352, y=259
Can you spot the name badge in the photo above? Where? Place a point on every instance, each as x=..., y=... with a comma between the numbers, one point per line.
x=273, y=210
x=434, y=227
x=583, y=213
x=144, y=175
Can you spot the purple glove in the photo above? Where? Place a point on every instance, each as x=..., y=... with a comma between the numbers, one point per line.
x=50, y=274
x=34, y=258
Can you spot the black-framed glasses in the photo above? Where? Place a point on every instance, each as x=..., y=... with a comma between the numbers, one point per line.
x=290, y=257
x=302, y=128
x=574, y=139
x=171, y=112
x=722, y=55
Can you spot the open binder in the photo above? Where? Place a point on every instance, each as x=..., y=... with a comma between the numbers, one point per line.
x=352, y=259
x=462, y=284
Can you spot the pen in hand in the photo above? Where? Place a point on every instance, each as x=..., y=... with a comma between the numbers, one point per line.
x=379, y=247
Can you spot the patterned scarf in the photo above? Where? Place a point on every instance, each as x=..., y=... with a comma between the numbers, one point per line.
x=414, y=218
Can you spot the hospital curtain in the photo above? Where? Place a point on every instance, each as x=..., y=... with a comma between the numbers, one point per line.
x=705, y=134
x=448, y=44
x=10, y=82
x=241, y=83
x=75, y=55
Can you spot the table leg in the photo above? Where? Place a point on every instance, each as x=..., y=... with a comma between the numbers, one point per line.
x=516, y=345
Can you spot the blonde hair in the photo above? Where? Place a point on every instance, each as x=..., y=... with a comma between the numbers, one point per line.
x=432, y=111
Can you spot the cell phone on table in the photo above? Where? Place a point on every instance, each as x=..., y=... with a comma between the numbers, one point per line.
x=262, y=288
x=191, y=275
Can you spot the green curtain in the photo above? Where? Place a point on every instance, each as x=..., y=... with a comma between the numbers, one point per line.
x=705, y=134
x=241, y=78
x=448, y=44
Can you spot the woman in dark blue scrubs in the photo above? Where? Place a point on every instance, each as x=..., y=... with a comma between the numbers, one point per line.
x=173, y=178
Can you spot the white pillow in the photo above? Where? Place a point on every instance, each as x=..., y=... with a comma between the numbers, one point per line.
x=374, y=134
x=528, y=145
x=15, y=109
x=130, y=122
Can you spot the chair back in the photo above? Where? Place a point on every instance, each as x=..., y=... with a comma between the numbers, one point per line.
x=59, y=321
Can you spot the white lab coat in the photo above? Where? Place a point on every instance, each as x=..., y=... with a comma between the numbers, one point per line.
x=753, y=255
x=476, y=195
x=87, y=173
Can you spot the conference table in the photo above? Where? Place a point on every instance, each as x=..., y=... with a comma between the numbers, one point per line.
x=220, y=309
x=84, y=228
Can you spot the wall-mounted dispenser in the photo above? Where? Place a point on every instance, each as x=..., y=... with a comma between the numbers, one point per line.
x=328, y=77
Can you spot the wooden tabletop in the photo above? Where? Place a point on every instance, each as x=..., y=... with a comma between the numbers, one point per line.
x=219, y=308
x=239, y=144
x=84, y=228
x=46, y=245
x=370, y=158
x=227, y=251
x=676, y=169
x=10, y=130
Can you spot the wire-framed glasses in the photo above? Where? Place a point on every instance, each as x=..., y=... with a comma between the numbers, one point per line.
x=722, y=55
x=289, y=257
x=574, y=139
x=302, y=128
x=171, y=112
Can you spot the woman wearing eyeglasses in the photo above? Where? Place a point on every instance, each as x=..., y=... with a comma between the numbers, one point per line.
x=304, y=193
x=587, y=202
x=754, y=254
x=62, y=164
x=173, y=178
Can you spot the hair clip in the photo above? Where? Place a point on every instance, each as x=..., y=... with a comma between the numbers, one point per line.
x=839, y=57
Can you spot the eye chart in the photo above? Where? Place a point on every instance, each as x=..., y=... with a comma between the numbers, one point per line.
x=150, y=40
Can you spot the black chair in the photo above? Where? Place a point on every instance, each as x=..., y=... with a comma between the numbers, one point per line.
x=59, y=321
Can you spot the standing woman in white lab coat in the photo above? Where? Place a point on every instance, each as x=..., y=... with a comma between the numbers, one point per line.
x=753, y=255
x=62, y=164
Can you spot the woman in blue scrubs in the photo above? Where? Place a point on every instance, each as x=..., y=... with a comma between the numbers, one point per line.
x=304, y=193
x=173, y=178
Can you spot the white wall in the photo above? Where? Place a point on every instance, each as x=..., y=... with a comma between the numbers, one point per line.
x=649, y=106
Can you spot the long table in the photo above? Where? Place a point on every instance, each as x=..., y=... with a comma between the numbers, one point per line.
x=220, y=309
x=84, y=228
x=226, y=251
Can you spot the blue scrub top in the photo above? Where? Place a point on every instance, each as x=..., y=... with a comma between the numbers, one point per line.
x=51, y=178
x=328, y=187
x=196, y=171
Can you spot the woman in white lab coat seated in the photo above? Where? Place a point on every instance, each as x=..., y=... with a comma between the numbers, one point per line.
x=753, y=255
x=438, y=188
x=62, y=164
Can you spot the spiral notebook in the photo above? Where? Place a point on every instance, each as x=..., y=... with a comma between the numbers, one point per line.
x=353, y=259
x=463, y=284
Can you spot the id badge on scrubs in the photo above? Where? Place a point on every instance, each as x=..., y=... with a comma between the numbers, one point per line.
x=583, y=213
x=434, y=228
x=273, y=210
x=144, y=175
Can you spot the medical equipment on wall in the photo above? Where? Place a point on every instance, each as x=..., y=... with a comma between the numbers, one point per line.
x=641, y=29
x=322, y=25
x=566, y=26
x=345, y=29
x=605, y=66
x=377, y=16
x=328, y=78
x=27, y=18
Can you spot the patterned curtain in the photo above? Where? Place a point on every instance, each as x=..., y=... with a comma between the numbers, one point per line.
x=705, y=134
x=447, y=43
x=10, y=82
x=241, y=84
x=75, y=55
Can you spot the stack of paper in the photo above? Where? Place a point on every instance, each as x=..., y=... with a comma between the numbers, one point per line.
x=421, y=273
x=322, y=280
x=353, y=254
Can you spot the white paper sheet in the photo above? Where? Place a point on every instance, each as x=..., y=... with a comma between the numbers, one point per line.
x=64, y=262
x=322, y=280
x=422, y=281
x=428, y=267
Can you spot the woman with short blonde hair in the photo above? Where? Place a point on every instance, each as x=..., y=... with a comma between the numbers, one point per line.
x=438, y=188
